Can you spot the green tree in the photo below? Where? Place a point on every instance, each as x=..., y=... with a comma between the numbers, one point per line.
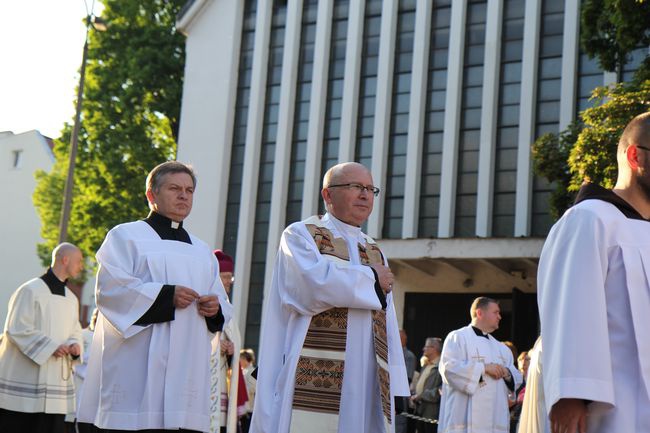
x=550, y=155
x=610, y=31
x=586, y=151
x=129, y=123
x=593, y=156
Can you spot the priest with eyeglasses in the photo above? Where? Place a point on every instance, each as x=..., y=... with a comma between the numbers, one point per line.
x=330, y=352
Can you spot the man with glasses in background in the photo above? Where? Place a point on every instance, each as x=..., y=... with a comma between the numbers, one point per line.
x=330, y=352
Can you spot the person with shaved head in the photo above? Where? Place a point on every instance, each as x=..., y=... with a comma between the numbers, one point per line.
x=41, y=341
x=593, y=293
x=330, y=352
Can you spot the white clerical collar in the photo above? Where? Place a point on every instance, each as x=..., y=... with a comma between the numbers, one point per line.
x=345, y=228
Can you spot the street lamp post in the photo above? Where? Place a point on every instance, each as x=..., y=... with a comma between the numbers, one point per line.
x=97, y=24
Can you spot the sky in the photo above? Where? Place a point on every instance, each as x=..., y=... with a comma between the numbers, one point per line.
x=41, y=44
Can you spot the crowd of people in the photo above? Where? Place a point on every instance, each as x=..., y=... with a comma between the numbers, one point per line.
x=164, y=353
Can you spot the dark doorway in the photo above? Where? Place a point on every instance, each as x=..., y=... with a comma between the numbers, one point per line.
x=437, y=314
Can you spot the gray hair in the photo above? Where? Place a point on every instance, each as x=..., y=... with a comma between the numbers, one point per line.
x=155, y=176
x=434, y=342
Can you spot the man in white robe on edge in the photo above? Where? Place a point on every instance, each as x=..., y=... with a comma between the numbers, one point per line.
x=41, y=341
x=160, y=301
x=477, y=373
x=330, y=353
x=594, y=301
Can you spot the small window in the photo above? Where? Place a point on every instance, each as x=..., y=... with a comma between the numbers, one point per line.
x=18, y=158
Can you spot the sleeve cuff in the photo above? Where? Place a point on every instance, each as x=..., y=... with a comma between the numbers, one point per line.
x=379, y=291
x=215, y=323
x=162, y=309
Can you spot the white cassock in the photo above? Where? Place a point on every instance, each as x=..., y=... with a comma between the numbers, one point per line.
x=534, y=418
x=472, y=401
x=306, y=284
x=594, y=299
x=38, y=322
x=154, y=376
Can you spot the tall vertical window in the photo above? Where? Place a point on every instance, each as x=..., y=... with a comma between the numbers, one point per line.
x=368, y=82
x=265, y=179
x=399, y=121
x=301, y=113
x=634, y=60
x=335, y=77
x=470, y=120
x=505, y=161
x=589, y=77
x=548, y=103
x=239, y=131
x=434, y=119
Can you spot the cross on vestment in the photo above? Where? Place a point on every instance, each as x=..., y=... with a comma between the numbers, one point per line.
x=480, y=359
x=191, y=391
x=118, y=394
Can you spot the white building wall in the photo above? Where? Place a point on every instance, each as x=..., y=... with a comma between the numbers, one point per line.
x=213, y=30
x=19, y=223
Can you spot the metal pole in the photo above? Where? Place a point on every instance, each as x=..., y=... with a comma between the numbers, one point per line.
x=69, y=184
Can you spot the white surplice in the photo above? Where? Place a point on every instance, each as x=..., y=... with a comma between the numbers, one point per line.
x=38, y=322
x=472, y=401
x=305, y=284
x=154, y=376
x=594, y=299
x=534, y=418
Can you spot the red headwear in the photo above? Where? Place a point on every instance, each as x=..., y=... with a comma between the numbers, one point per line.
x=226, y=263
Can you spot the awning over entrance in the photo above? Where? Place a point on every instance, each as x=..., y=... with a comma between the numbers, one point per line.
x=436, y=280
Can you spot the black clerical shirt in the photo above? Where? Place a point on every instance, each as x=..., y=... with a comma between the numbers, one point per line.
x=163, y=310
x=56, y=286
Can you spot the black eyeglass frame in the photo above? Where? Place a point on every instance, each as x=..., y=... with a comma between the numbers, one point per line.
x=642, y=147
x=368, y=188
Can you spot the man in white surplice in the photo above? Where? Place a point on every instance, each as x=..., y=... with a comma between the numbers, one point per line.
x=160, y=300
x=477, y=372
x=327, y=264
x=41, y=341
x=594, y=300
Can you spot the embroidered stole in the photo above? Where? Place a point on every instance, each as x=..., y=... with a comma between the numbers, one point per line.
x=321, y=366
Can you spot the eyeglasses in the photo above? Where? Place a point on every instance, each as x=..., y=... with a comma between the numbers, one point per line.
x=358, y=187
x=642, y=147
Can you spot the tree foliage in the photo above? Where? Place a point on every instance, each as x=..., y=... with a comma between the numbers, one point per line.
x=129, y=123
x=593, y=157
x=550, y=155
x=586, y=151
x=611, y=29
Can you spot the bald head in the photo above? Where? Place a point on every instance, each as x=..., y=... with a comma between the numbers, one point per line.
x=62, y=250
x=636, y=132
x=633, y=158
x=67, y=261
x=348, y=192
x=339, y=172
